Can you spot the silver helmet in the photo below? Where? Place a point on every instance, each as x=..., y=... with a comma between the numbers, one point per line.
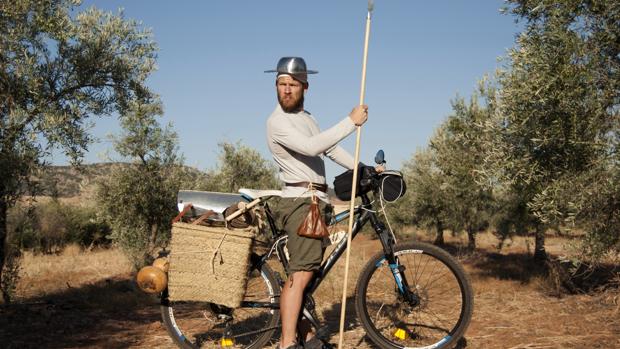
x=294, y=66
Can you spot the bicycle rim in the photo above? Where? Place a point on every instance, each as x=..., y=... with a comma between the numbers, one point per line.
x=203, y=325
x=444, y=292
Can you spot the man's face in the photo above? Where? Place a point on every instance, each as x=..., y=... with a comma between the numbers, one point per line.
x=290, y=94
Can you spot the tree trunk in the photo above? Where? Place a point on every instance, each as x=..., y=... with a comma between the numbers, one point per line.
x=153, y=237
x=471, y=239
x=540, y=255
x=3, y=245
x=439, y=237
x=152, y=243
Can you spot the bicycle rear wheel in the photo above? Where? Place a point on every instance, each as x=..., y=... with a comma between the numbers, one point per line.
x=204, y=325
x=444, y=299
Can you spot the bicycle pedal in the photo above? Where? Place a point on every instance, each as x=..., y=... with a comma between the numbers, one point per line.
x=323, y=333
x=318, y=343
x=227, y=337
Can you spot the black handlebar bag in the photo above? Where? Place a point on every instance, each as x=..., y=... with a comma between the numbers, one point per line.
x=392, y=185
x=344, y=181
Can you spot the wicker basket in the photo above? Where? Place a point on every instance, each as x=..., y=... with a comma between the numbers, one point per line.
x=209, y=264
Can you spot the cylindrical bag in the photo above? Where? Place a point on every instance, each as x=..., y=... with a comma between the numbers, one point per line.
x=344, y=181
x=392, y=185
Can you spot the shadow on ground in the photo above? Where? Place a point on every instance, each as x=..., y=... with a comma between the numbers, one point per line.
x=557, y=276
x=332, y=320
x=101, y=314
x=332, y=317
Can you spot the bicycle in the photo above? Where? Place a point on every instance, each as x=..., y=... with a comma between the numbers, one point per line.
x=409, y=295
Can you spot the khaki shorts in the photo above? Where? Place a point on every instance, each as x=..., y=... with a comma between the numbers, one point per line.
x=305, y=254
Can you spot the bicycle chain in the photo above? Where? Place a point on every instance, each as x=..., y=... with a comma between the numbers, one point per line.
x=255, y=332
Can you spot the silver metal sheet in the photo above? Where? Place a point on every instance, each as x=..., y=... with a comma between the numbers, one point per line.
x=207, y=200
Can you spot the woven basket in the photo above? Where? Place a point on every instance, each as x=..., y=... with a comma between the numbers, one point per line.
x=198, y=273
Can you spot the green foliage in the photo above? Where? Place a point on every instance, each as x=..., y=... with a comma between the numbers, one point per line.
x=56, y=72
x=426, y=203
x=595, y=208
x=557, y=117
x=50, y=226
x=139, y=198
x=57, y=69
x=460, y=149
x=442, y=181
x=139, y=202
x=241, y=167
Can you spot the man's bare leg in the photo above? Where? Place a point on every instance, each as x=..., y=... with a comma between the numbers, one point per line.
x=290, y=305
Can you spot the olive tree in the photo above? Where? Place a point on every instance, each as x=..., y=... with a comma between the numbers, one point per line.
x=558, y=103
x=426, y=203
x=239, y=166
x=138, y=198
x=460, y=149
x=57, y=70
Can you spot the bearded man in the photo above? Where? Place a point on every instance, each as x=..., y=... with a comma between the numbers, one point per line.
x=298, y=146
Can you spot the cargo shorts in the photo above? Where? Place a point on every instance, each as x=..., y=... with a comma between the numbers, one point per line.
x=305, y=254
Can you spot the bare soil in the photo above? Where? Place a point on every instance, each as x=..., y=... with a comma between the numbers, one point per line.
x=89, y=300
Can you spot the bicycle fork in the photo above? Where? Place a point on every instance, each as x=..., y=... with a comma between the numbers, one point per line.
x=397, y=270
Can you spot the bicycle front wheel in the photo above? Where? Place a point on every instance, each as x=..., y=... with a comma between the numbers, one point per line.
x=436, y=313
x=205, y=325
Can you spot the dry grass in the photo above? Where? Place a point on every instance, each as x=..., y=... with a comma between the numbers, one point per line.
x=94, y=302
x=41, y=275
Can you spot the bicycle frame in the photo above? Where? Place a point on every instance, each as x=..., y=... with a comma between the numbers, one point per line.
x=363, y=214
x=382, y=306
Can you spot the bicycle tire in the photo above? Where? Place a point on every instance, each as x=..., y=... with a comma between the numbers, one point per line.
x=444, y=291
x=196, y=325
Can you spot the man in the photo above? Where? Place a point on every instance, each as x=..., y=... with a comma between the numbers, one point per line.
x=298, y=146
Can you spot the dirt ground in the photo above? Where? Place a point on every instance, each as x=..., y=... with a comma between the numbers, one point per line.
x=88, y=300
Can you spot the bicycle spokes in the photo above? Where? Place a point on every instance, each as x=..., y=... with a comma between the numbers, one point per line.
x=421, y=300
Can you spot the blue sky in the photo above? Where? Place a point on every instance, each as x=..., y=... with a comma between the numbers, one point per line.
x=213, y=53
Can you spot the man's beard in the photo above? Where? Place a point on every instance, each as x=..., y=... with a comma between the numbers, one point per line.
x=294, y=106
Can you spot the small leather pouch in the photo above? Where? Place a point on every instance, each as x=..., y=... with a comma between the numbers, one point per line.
x=313, y=226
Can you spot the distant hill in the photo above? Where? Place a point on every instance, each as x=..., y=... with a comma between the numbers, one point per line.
x=69, y=181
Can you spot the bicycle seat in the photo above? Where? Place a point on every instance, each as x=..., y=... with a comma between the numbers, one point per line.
x=252, y=194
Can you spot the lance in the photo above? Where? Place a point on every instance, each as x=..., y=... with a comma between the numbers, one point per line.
x=355, y=174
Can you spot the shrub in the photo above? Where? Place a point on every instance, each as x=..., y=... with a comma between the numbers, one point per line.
x=48, y=227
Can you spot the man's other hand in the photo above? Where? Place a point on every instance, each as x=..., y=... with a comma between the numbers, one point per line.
x=359, y=114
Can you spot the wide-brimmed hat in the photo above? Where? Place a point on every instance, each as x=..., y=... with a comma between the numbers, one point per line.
x=294, y=66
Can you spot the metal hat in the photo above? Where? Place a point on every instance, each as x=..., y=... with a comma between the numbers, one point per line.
x=295, y=66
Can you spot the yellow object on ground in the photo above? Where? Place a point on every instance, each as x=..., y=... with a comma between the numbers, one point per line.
x=400, y=334
x=227, y=342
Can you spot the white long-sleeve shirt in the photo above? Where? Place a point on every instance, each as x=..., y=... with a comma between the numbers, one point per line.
x=298, y=145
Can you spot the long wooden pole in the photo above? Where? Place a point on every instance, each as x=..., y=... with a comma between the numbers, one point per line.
x=343, y=308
